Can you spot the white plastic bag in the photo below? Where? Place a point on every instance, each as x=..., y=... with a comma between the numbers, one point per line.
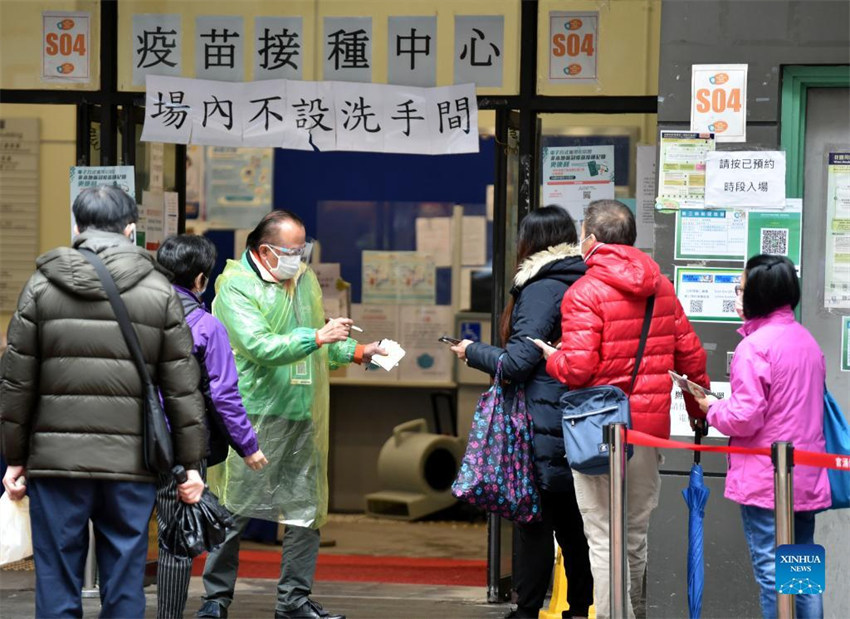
x=15, y=532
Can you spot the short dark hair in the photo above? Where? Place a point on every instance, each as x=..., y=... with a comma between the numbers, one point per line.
x=264, y=232
x=771, y=284
x=104, y=208
x=610, y=221
x=187, y=256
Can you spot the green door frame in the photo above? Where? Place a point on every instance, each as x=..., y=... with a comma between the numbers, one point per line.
x=796, y=80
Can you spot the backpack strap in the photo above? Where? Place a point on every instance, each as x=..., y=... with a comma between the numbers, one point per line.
x=647, y=319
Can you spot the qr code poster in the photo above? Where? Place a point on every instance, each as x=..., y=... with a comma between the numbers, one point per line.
x=708, y=295
x=775, y=233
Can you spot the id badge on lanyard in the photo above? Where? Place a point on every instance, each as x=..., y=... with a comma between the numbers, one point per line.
x=302, y=373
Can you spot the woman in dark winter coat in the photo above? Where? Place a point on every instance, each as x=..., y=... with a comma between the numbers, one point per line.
x=549, y=261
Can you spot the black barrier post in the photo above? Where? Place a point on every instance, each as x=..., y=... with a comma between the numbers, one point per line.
x=782, y=454
x=615, y=436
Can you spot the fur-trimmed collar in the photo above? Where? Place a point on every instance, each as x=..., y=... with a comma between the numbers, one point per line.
x=531, y=266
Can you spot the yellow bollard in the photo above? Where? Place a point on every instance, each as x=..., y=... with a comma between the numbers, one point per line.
x=558, y=603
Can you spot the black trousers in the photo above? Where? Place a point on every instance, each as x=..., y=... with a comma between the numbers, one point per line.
x=535, y=555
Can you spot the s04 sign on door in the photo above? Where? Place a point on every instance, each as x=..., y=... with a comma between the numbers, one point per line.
x=719, y=101
x=573, y=46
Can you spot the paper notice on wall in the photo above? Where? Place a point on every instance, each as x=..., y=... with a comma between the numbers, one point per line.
x=681, y=179
x=845, y=343
x=778, y=233
x=172, y=213
x=645, y=198
x=474, y=241
x=679, y=421
x=837, y=264
x=336, y=293
x=719, y=101
x=745, y=179
x=427, y=359
x=574, y=176
x=434, y=238
x=417, y=279
x=380, y=277
x=703, y=234
x=153, y=205
x=708, y=295
x=66, y=46
x=156, y=167
x=378, y=322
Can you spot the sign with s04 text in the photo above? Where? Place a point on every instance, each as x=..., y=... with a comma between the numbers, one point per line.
x=573, y=45
x=719, y=101
x=65, y=46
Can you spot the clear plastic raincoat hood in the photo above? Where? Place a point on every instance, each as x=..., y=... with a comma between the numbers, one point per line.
x=283, y=379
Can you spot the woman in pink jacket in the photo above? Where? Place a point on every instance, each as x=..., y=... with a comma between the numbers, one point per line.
x=777, y=379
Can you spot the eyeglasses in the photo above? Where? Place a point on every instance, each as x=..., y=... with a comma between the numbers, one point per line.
x=739, y=289
x=303, y=252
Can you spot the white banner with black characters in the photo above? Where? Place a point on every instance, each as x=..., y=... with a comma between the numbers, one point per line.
x=320, y=116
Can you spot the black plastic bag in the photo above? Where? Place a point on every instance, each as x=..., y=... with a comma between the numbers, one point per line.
x=196, y=528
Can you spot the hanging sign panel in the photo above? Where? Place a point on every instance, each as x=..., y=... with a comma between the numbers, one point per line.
x=708, y=295
x=320, y=116
x=681, y=179
x=745, y=179
x=66, y=46
x=845, y=343
x=703, y=234
x=157, y=46
x=719, y=101
x=573, y=46
x=479, y=45
x=575, y=176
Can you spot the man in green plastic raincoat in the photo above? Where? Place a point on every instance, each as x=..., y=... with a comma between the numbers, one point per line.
x=271, y=304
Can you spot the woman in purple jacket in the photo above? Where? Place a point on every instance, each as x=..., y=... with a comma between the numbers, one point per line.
x=190, y=259
x=777, y=376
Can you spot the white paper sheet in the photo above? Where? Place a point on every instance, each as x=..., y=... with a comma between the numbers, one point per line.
x=427, y=358
x=474, y=240
x=647, y=157
x=434, y=238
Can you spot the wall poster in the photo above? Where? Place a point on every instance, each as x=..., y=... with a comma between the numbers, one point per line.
x=681, y=178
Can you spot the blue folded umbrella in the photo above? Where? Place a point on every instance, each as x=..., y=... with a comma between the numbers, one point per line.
x=696, y=496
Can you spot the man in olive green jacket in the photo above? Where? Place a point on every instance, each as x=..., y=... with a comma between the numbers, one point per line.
x=71, y=408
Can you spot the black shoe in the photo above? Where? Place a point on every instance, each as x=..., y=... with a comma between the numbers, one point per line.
x=520, y=613
x=212, y=609
x=308, y=610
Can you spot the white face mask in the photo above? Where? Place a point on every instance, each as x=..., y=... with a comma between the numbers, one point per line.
x=581, y=245
x=287, y=266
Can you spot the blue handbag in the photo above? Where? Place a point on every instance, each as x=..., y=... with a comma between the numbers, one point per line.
x=587, y=411
x=836, y=431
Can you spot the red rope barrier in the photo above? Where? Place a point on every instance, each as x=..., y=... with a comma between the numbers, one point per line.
x=801, y=457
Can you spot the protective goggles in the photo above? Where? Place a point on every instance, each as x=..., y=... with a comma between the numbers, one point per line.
x=304, y=252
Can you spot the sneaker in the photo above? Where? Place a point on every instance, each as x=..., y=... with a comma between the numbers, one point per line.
x=212, y=609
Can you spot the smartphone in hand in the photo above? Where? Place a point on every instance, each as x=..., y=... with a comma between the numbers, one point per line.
x=450, y=341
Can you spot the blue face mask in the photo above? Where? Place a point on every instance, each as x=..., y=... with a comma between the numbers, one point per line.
x=287, y=266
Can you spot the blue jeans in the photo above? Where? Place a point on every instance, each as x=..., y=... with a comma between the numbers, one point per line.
x=60, y=510
x=760, y=531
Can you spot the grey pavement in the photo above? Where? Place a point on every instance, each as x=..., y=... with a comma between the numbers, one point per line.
x=255, y=598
